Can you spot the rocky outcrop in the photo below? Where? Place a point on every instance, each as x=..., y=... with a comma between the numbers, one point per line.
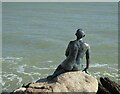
x=107, y=86
x=68, y=82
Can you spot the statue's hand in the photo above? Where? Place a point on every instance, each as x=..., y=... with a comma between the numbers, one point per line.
x=86, y=70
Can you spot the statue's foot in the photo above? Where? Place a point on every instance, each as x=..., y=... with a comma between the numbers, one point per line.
x=50, y=77
x=86, y=72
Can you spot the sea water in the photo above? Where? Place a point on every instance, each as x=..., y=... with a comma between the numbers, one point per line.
x=35, y=36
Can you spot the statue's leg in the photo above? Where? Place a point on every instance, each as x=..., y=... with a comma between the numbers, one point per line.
x=57, y=72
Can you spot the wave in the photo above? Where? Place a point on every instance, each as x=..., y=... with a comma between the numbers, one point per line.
x=113, y=67
x=11, y=58
x=21, y=68
x=98, y=65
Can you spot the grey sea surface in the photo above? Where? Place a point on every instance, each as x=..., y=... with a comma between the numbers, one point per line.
x=35, y=36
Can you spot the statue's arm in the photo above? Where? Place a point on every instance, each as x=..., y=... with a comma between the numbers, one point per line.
x=87, y=58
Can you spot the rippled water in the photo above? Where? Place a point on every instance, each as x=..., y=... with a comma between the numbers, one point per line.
x=35, y=36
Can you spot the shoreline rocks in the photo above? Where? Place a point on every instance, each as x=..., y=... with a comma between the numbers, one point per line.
x=67, y=82
x=107, y=86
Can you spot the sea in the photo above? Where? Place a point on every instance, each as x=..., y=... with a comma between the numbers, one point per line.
x=35, y=36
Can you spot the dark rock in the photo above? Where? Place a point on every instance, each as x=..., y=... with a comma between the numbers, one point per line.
x=102, y=90
x=26, y=86
x=107, y=86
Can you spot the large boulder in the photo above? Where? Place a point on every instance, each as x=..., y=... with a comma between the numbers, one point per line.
x=68, y=82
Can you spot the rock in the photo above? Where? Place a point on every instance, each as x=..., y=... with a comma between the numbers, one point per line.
x=20, y=90
x=68, y=82
x=107, y=86
x=102, y=90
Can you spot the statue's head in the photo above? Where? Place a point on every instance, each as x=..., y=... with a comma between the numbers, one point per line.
x=80, y=33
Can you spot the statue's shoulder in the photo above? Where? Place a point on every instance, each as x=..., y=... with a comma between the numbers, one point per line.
x=72, y=42
x=87, y=45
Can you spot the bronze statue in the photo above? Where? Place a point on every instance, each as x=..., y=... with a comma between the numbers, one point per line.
x=74, y=56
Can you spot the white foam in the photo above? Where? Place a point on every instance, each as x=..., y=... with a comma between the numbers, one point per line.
x=6, y=88
x=49, y=61
x=27, y=73
x=35, y=73
x=115, y=74
x=98, y=65
x=108, y=74
x=21, y=68
x=11, y=58
x=113, y=68
x=20, y=80
x=40, y=68
x=3, y=83
x=11, y=77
